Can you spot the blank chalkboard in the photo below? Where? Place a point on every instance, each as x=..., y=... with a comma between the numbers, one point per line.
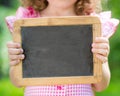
x=53, y=51
x=57, y=51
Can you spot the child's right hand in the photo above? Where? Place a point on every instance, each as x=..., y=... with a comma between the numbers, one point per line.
x=15, y=52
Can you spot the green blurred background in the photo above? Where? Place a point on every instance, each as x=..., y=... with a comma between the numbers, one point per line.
x=8, y=7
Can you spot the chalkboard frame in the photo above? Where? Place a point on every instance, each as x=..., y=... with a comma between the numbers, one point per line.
x=16, y=71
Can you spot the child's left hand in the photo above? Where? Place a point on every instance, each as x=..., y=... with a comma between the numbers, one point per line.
x=101, y=48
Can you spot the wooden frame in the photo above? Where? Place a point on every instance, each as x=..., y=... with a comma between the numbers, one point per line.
x=16, y=71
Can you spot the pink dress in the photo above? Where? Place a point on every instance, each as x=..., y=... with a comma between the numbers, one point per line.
x=108, y=28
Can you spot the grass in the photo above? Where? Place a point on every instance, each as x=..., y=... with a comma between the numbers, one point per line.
x=7, y=88
x=112, y=90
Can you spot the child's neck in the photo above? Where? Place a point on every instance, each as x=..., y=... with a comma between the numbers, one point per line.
x=58, y=11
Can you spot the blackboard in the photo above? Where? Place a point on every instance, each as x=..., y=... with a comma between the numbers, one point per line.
x=57, y=51
x=53, y=51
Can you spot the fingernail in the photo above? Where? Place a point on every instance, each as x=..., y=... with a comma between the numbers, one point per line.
x=92, y=50
x=22, y=57
x=93, y=44
x=21, y=50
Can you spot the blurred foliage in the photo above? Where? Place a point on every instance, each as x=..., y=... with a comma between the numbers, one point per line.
x=114, y=57
x=9, y=3
x=114, y=6
x=4, y=37
x=7, y=89
x=6, y=8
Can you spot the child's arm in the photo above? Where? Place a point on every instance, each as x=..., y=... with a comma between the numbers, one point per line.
x=105, y=79
x=15, y=55
x=101, y=49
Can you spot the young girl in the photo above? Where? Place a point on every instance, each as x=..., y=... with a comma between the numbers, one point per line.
x=50, y=8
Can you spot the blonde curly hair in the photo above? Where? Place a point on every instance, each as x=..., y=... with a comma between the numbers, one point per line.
x=97, y=5
x=39, y=5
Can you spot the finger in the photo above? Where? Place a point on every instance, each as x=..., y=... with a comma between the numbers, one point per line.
x=101, y=39
x=100, y=45
x=13, y=51
x=102, y=58
x=16, y=57
x=100, y=51
x=12, y=44
x=15, y=62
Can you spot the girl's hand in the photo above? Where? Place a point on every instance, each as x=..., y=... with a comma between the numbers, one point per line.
x=101, y=48
x=15, y=52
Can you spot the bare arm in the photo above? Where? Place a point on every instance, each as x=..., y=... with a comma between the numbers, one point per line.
x=15, y=55
x=105, y=79
x=101, y=50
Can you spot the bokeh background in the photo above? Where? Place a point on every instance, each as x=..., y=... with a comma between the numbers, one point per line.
x=8, y=7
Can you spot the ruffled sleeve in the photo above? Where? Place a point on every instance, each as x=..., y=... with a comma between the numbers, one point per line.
x=21, y=13
x=109, y=24
x=10, y=21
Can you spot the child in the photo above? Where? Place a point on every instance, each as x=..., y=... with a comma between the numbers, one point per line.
x=49, y=8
